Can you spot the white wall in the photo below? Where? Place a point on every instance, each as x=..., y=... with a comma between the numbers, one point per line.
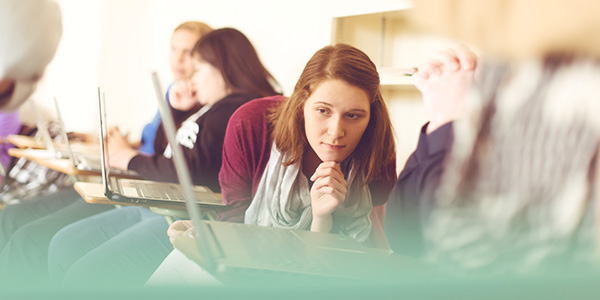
x=127, y=53
x=73, y=73
x=116, y=43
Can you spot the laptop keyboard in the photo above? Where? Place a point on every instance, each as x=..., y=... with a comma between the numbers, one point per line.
x=153, y=191
x=170, y=191
x=277, y=248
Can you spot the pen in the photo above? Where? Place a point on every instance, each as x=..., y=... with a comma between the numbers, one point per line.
x=408, y=71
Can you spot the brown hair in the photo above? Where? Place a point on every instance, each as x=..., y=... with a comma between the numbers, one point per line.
x=376, y=148
x=231, y=52
x=198, y=28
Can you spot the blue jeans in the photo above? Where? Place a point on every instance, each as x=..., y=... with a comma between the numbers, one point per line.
x=122, y=246
x=27, y=228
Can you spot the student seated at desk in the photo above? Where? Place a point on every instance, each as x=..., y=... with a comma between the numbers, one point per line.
x=322, y=160
x=517, y=190
x=27, y=228
x=443, y=82
x=228, y=73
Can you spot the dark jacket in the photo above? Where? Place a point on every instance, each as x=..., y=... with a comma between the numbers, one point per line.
x=202, y=146
x=412, y=197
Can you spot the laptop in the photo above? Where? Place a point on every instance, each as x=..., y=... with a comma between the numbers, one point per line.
x=48, y=150
x=233, y=251
x=139, y=191
x=84, y=161
x=43, y=129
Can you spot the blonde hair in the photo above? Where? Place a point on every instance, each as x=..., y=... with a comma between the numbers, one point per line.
x=198, y=28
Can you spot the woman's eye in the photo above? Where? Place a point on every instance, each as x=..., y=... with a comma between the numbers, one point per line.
x=353, y=116
x=322, y=111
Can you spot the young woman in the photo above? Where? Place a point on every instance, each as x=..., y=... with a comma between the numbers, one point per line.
x=228, y=73
x=183, y=40
x=320, y=160
x=331, y=152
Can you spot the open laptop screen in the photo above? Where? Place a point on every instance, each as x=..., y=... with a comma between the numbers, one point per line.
x=105, y=169
x=185, y=178
x=63, y=133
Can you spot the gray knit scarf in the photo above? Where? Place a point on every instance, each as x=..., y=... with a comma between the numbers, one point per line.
x=283, y=200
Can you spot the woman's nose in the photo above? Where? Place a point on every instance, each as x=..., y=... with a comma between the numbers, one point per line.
x=336, y=127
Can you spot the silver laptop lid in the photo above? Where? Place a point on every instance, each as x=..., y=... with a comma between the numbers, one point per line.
x=103, y=144
x=63, y=132
x=208, y=263
x=42, y=128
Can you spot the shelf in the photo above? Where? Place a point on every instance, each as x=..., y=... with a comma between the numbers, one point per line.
x=390, y=41
x=392, y=77
x=347, y=8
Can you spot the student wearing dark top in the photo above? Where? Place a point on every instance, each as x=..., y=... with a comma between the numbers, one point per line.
x=519, y=189
x=443, y=82
x=228, y=74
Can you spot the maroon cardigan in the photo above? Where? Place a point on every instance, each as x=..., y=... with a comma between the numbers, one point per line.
x=246, y=152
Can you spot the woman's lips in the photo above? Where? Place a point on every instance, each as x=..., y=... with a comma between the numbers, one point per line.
x=333, y=147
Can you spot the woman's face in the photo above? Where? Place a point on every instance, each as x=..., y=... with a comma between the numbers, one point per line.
x=208, y=82
x=335, y=118
x=182, y=64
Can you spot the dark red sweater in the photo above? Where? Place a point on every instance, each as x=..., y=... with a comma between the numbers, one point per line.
x=246, y=152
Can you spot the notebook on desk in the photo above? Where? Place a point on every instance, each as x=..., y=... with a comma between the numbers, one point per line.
x=139, y=191
x=228, y=250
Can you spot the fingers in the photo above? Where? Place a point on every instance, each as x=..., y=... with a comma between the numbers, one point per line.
x=427, y=70
x=329, y=179
x=189, y=87
x=449, y=60
x=182, y=95
x=327, y=168
x=466, y=57
x=333, y=188
x=179, y=228
x=114, y=135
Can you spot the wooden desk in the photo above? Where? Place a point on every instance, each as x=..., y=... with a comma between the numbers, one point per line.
x=24, y=142
x=47, y=160
x=63, y=165
x=94, y=193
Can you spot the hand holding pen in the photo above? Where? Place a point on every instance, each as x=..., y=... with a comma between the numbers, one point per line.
x=443, y=81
